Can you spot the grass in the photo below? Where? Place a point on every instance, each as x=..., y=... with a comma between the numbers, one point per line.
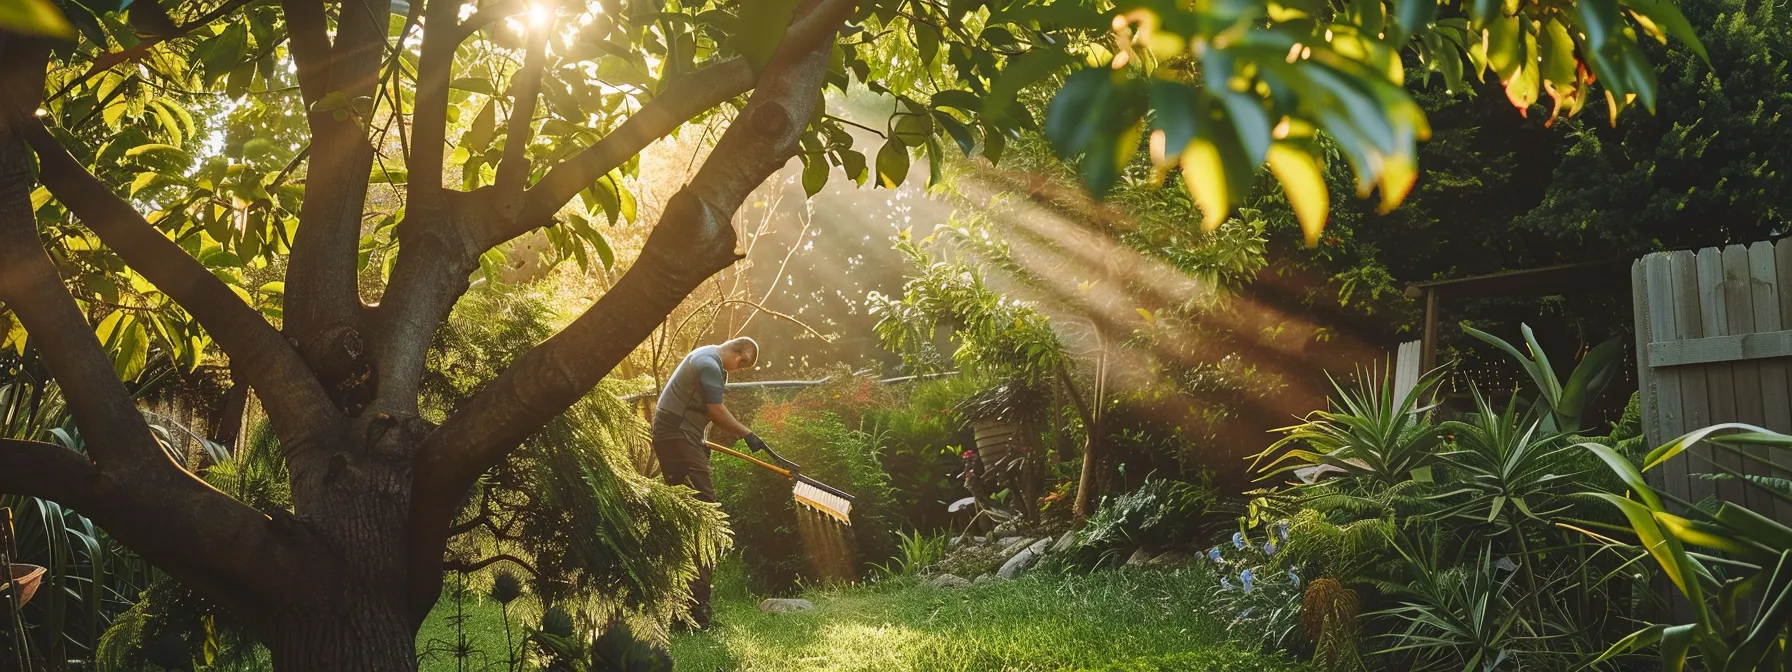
x=483, y=624
x=1111, y=621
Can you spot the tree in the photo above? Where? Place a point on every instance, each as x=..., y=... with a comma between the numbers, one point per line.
x=315, y=103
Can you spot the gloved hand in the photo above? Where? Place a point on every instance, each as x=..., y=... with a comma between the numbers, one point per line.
x=757, y=444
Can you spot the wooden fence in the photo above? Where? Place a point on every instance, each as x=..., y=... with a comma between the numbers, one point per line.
x=1714, y=344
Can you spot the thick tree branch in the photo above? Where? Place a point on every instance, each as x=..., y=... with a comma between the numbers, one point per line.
x=36, y=469
x=429, y=125
x=323, y=312
x=132, y=489
x=309, y=41
x=513, y=170
x=684, y=99
x=446, y=231
x=693, y=240
x=295, y=402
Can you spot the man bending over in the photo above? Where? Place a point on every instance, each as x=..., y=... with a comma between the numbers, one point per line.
x=691, y=400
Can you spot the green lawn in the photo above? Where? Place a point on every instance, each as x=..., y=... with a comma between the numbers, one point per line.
x=483, y=625
x=1119, y=621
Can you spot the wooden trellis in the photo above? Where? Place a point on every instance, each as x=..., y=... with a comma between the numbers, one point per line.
x=1714, y=345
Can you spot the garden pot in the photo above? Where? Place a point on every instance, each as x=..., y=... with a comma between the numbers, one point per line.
x=27, y=578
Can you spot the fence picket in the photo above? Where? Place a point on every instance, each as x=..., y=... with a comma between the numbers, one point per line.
x=1695, y=398
x=1776, y=405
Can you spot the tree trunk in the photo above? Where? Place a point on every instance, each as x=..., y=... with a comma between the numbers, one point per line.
x=360, y=636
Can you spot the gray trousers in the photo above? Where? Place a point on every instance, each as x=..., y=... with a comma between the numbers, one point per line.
x=683, y=462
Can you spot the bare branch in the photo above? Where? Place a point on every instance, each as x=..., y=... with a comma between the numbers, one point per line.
x=692, y=241
x=758, y=307
x=295, y=402
x=453, y=566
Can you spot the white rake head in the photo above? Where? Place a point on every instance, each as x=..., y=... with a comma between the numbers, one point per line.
x=835, y=506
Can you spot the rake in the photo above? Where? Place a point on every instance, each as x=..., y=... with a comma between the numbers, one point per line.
x=809, y=492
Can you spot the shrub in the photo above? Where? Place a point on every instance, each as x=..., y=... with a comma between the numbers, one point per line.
x=1160, y=513
x=765, y=518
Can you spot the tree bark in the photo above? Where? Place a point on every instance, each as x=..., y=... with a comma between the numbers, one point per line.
x=360, y=636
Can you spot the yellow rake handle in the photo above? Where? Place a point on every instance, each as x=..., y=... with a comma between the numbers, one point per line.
x=761, y=463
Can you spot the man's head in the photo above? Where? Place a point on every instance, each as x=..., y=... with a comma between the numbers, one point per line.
x=739, y=353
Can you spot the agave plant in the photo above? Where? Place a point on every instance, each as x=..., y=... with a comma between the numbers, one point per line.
x=1506, y=464
x=1753, y=551
x=1371, y=433
x=1562, y=403
x=1460, y=617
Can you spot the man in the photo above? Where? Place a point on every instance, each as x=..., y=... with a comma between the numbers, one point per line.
x=691, y=400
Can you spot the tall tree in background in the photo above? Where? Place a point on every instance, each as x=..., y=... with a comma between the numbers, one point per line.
x=210, y=199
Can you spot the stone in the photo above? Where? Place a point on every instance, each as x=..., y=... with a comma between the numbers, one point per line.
x=1023, y=560
x=1064, y=542
x=783, y=605
x=987, y=578
x=948, y=581
x=1170, y=560
x=1008, y=550
x=1005, y=542
x=1140, y=557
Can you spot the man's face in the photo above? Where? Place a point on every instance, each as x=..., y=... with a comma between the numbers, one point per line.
x=734, y=361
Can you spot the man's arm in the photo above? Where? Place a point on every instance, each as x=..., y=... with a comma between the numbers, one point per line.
x=720, y=415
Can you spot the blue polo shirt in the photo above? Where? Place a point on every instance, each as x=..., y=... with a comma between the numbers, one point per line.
x=698, y=382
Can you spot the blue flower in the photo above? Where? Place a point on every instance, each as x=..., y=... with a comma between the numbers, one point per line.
x=1225, y=583
x=1246, y=613
x=1238, y=540
x=1294, y=577
x=1247, y=579
x=1214, y=554
x=1282, y=529
x=1269, y=547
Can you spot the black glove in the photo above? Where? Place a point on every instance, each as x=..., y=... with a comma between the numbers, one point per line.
x=756, y=443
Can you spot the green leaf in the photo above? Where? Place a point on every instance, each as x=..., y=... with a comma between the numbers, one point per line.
x=484, y=126
x=853, y=162
x=1663, y=17
x=927, y=41
x=762, y=27
x=1173, y=106
x=815, y=174
x=222, y=52
x=1022, y=71
x=1097, y=115
x=963, y=101
x=1411, y=17
x=34, y=17
x=961, y=134
x=892, y=164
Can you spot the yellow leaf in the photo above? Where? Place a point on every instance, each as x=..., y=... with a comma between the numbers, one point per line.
x=34, y=17
x=1149, y=318
x=1303, y=179
x=1204, y=174
x=1398, y=173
